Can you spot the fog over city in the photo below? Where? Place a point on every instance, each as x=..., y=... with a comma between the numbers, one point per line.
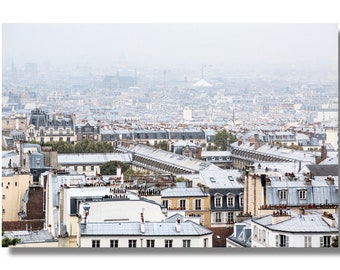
x=234, y=75
x=226, y=46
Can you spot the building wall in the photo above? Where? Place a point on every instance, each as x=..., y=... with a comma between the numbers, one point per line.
x=254, y=195
x=14, y=123
x=13, y=191
x=123, y=241
x=267, y=238
x=204, y=213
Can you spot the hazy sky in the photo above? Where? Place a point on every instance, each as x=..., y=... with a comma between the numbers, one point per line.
x=248, y=46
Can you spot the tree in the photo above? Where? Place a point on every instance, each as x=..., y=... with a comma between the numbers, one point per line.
x=335, y=241
x=110, y=167
x=61, y=146
x=221, y=139
x=6, y=242
x=162, y=145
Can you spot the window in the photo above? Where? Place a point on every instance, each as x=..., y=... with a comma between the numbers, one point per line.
x=230, y=201
x=325, y=241
x=182, y=204
x=186, y=243
x=84, y=168
x=263, y=236
x=198, y=204
x=92, y=168
x=113, y=243
x=68, y=131
x=241, y=201
x=283, y=194
x=60, y=132
x=165, y=203
x=205, y=242
x=308, y=241
x=132, y=243
x=218, y=201
x=302, y=194
x=60, y=138
x=75, y=168
x=230, y=217
x=218, y=217
x=255, y=232
x=282, y=240
x=168, y=243
x=4, y=196
x=51, y=131
x=95, y=243
x=150, y=243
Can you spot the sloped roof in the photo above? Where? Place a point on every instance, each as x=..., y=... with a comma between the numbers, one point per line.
x=312, y=222
x=323, y=170
x=151, y=229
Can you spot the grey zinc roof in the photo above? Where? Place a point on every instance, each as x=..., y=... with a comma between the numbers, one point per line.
x=183, y=192
x=222, y=178
x=281, y=152
x=319, y=192
x=169, y=158
x=95, y=158
x=215, y=153
x=300, y=223
x=30, y=236
x=151, y=229
x=323, y=170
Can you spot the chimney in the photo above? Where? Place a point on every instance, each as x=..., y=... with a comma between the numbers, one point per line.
x=280, y=216
x=178, y=225
x=302, y=211
x=329, y=219
x=330, y=180
x=308, y=181
x=119, y=171
x=198, y=152
x=142, y=224
x=257, y=141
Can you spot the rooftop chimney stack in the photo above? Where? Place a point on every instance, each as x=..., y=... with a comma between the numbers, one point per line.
x=142, y=224
x=178, y=225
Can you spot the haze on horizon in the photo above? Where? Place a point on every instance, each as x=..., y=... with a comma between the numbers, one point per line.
x=302, y=46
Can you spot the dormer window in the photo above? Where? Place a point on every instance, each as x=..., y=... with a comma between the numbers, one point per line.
x=283, y=194
x=302, y=193
x=218, y=201
x=230, y=200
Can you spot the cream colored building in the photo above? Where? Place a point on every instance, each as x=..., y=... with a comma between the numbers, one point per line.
x=192, y=200
x=14, y=187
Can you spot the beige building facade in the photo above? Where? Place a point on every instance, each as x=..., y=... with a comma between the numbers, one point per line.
x=14, y=187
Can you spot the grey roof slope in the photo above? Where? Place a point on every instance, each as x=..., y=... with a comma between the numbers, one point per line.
x=168, y=157
x=151, y=229
x=323, y=170
x=31, y=236
x=93, y=158
x=183, y=192
x=311, y=223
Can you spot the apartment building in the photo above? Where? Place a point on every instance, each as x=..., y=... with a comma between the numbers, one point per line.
x=285, y=229
x=193, y=201
x=142, y=234
x=48, y=128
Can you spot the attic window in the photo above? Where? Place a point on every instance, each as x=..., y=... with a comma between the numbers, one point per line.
x=230, y=178
x=212, y=179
